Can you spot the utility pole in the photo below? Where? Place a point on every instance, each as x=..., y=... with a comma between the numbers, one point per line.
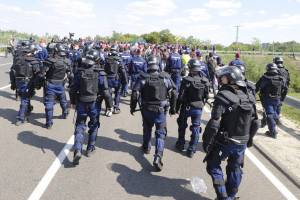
x=237, y=33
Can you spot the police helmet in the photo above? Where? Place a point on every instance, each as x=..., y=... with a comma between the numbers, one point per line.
x=278, y=60
x=60, y=49
x=194, y=65
x=93, y=55
x=152, y=64
x=242, y=68
x=233, y=73
x=272, y=67
x=31, y=48
x=114, y=49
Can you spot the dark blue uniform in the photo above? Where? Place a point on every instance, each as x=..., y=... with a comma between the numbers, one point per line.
x=237, y=62
x=174, y=66
x=87, y=84
x=42, y=53
x=232, y=125
x=137, y=65
x=126, y=58
x=116, y=76
x=155, y=89
x=56, y=70
x=26, y=70
x=270, y=86
x=191, y=99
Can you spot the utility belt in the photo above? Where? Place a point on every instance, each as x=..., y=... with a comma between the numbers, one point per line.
x=175, y=71
x=155, y=108
x=196, y=105
x=56, y=82
x=223, y=138
x=25, y=79
x=270, y=96
x=113, y=76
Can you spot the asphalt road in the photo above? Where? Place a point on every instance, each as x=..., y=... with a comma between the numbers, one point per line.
x=117, y=170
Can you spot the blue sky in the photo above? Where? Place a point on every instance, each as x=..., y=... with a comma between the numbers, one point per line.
x=277, y=20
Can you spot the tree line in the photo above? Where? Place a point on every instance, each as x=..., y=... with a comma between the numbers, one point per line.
x=166, y=37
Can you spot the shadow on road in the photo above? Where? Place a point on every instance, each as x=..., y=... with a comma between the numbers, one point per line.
x=144, y=183
x=147, y=185
x=138, y=138
x=41, y=142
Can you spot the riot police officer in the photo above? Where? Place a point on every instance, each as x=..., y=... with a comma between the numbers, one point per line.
x=56, y=67
x=230, y=129
x=126, y=58
x=193, y=93
x=270, y=87
x=137, y=65
x=23, y=75
x=116, y=76
x=174, y=67
x=157, y=92
x=286, y=81
x=83, y=92
x=212, y=64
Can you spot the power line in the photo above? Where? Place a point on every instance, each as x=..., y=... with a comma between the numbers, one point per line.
x=237, y=33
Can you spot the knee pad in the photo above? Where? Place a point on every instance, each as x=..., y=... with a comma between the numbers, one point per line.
x=270, y=116
x=80, y=119
x=161, y=134
x=195, y=128
x=235, y=168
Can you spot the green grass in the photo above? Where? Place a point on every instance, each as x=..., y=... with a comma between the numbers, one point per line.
x=291, y=113
x=255, y=68
x=294, y=94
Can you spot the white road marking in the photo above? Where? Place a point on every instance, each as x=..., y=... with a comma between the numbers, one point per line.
x=5, y=64
x=4, y=87
x=47, y=178
x=268, y=174
x=272, y=178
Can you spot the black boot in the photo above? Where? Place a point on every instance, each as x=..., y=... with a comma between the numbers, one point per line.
x=157, y=163
x=29, y=110
x=190, y=153
x=77, y=157
x=179, y=146
x=90, y=150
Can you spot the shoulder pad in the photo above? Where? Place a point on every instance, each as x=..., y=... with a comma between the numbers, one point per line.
x=250, y=85
x=228, y=96
x=144, y=75
x=67, y=62
x=188, y=79
x=164, y=75
x=35, y=62
x=52, y=60
x=30, y=59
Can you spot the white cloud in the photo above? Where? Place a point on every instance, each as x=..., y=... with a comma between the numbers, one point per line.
x=228, y=12
x=71, y=8
x=281, y=22
x=198, y=14
x=223, y=4
x=224, y=7
x=151, y=7
x=262, y=12
x=4, y=8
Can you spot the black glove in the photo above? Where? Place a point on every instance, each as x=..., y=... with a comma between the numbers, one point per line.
x=205, y=147
x=13, y=87
x=250, y=143
x=172, y=111
x=132, y=111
